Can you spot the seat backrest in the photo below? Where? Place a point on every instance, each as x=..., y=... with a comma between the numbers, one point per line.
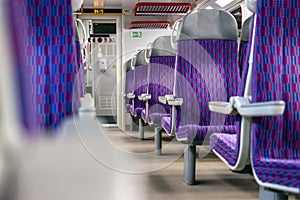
x=275, y=76
x=206, y=65
x=80, y=78
x=141, y=78
x=161, y=73
x=129, y=80
x=244, y=44
x=50, y=60
x=243, y=127
x=16, y=12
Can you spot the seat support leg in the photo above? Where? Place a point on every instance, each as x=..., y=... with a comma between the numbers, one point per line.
x=157, y=139
x=131, y=124
x=141, y=129
x=189, y=164
x=265, y=194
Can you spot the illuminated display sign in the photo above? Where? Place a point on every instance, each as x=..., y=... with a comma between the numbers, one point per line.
x=100, y=11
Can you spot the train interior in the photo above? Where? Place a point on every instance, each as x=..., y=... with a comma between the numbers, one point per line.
x=150, y=99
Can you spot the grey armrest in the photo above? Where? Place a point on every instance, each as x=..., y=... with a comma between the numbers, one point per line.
x=130, y=95
x=170, y=100
x=221, y=107
x=140, y=97
x=147, y=97
x=269, y=108
x=244, y=107
x=144, y=97
x=163, y=99
x=175, y=102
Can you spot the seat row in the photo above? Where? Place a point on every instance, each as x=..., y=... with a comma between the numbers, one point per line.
x=243, y=101
x=172, y=91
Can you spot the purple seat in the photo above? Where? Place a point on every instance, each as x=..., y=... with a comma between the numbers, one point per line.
x=80, y=77
x=160, y=83
x=140, y=83
x=206, y=69
x=228, y=146
x=160, y=79
x=140, y=86
x=161, y=76
x=275, y=144
x=16, y=12
x=49, y=59
x=129, y=85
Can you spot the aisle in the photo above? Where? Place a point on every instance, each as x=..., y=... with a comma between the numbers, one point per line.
x=78, y=165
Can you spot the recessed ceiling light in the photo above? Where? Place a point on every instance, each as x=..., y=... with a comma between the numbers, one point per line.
x=223, y=3
x=209, y=7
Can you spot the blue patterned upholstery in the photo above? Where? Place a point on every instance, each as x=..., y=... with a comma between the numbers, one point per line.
x=207, y=70
x=50, y=60
x=166, y=123
x=227, y=145
x=129, y=81
x=16, y=12
x=161, y=80
x=140, y=87
x=276, y=60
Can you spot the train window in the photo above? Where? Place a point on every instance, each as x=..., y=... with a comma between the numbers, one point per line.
x=237, y=13
x=104, y=28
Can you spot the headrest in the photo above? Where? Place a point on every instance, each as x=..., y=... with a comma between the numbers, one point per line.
x=204, y=24
x=178, y=29
x=128, y=65
x=162, y=47
x=251, y=5
x=246, y=30
x=140, y=58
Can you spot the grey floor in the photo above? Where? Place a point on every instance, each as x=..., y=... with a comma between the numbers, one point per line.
x=87, y=162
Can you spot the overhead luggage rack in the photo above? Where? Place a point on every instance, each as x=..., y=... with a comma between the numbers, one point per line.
x=161, y=9
x=149, y=25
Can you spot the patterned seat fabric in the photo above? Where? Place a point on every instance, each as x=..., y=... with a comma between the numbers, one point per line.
x=207, y=70
x=166, y=123
x=129, y=88
x=161, y=80
x=221, y=142
x=80, y=77
x=49, y=60
x=276, y=140
x=140, y=87
x=227, y=145
x=195, y=133
x=129, y=108
x=16, y=11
